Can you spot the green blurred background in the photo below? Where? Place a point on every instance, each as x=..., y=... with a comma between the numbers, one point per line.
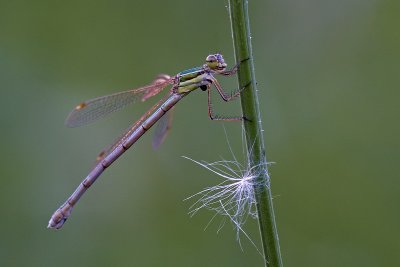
x=328, y=76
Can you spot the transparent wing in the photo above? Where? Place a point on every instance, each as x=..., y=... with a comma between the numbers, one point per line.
x=162, y=129
x=94, y=109
x=131, y=129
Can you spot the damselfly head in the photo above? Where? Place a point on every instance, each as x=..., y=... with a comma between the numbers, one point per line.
x=216, y=62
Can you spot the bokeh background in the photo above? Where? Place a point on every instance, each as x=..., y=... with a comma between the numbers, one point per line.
x=328, y=77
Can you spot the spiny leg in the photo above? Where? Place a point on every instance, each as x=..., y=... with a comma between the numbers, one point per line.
x=234, y=68
x=211, y=113
x=225, y=96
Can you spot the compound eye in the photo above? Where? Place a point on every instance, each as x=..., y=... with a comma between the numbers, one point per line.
x=211, y=58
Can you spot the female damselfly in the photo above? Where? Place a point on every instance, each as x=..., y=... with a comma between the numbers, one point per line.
x=182, y=84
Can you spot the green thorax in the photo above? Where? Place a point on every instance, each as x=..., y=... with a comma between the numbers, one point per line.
x=190, y=74
x=191, y=79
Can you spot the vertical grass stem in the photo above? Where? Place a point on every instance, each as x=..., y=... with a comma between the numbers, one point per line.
x=238, y=10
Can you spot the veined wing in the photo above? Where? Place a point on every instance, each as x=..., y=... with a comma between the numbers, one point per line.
x=162, y=129
x=96, y=108
x=131, y=129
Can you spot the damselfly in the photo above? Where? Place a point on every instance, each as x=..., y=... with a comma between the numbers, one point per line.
x=182, y=84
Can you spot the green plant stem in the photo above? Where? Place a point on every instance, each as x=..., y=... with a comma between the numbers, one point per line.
x=252, y=124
